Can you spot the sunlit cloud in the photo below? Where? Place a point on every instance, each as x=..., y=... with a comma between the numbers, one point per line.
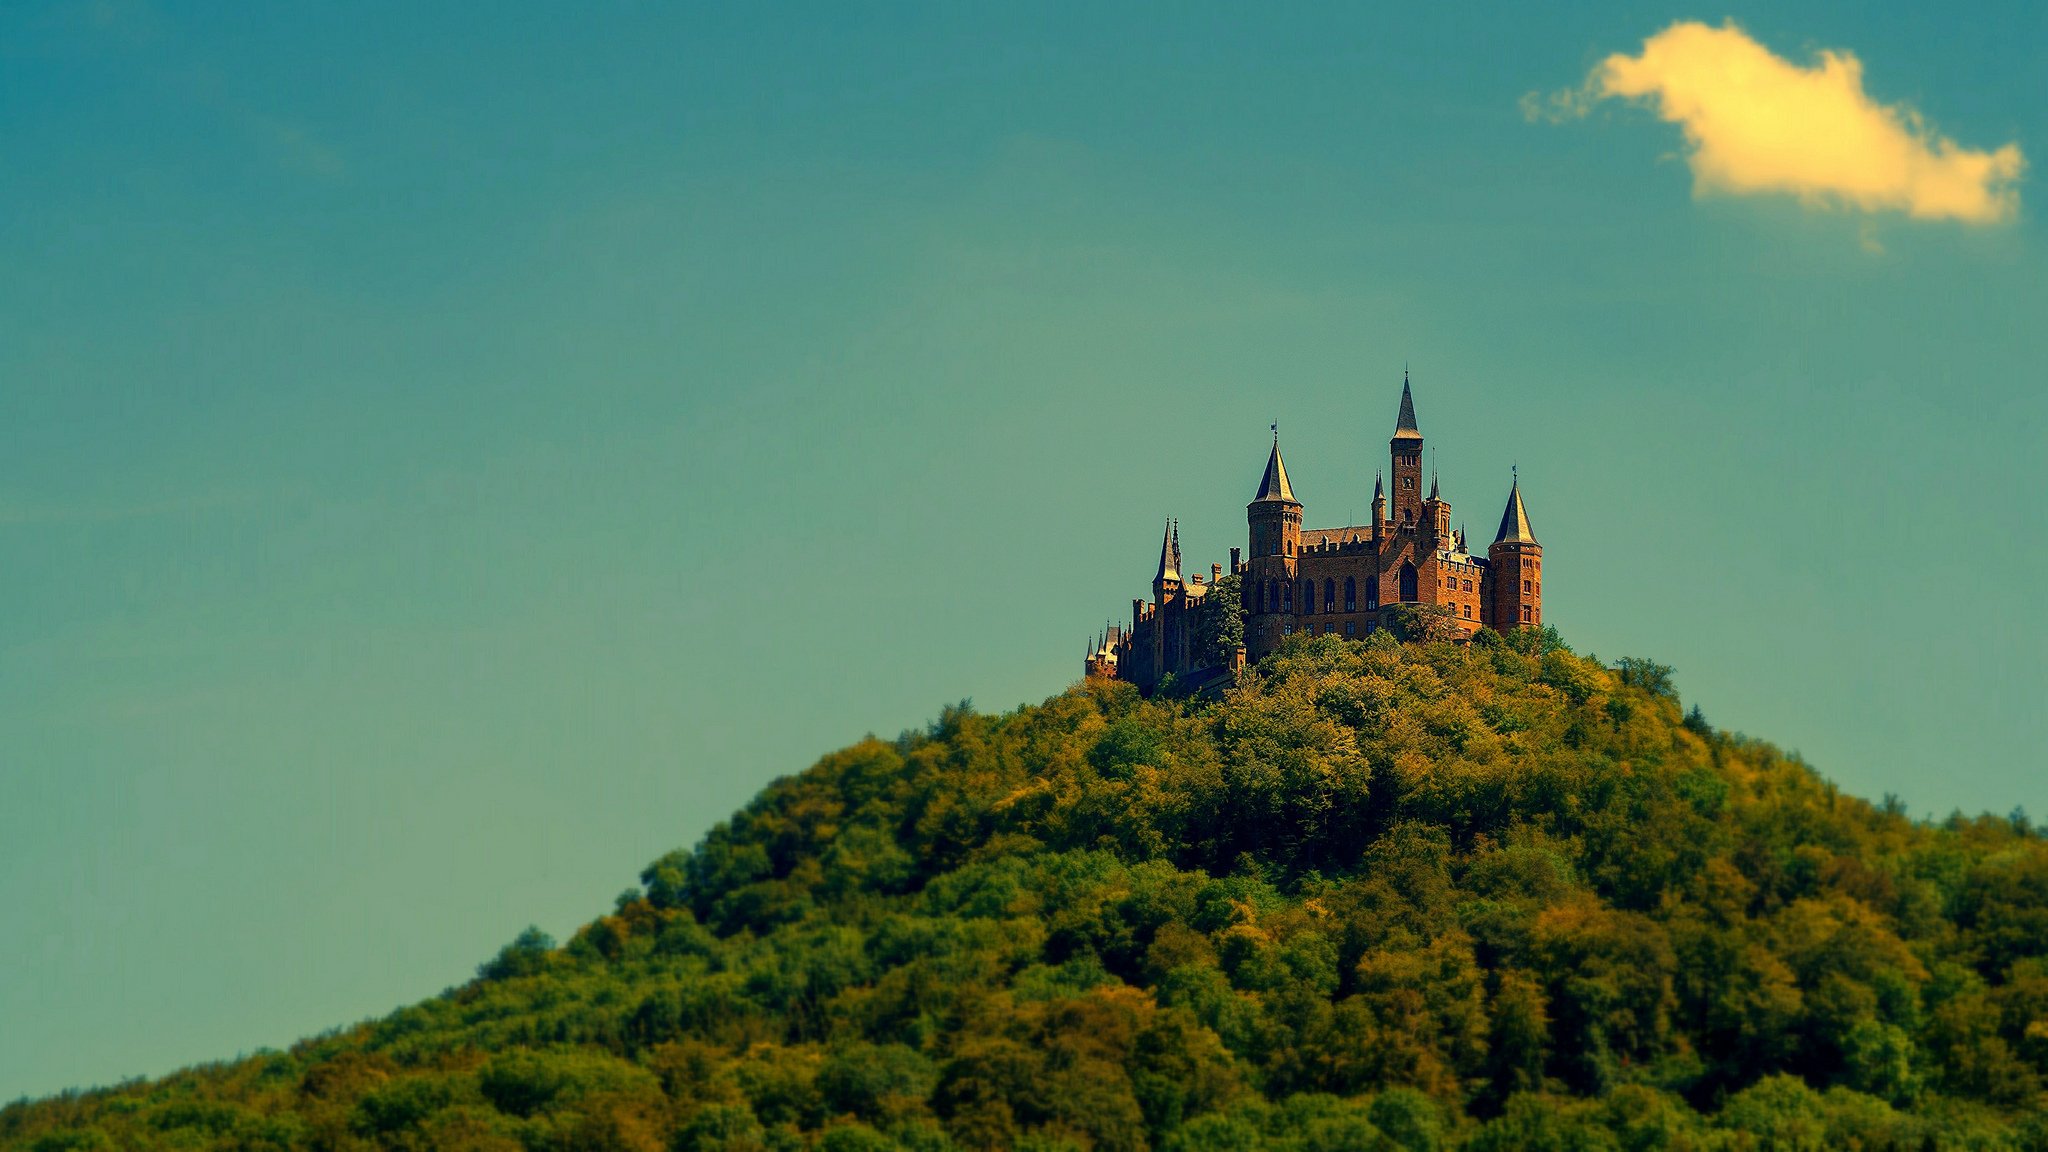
x=1755, y=122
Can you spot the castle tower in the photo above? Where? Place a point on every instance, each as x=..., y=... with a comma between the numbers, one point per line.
x=1168, y=638
x=1437, y=517
x=1406, y=449
x=1379, y=505
x=1517, y=568
x=1275, y=519
x=1166, y=586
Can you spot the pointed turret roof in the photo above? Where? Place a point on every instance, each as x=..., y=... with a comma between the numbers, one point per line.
x=1169, y=557
x=1379, y=486
x=1514, y=522
x=1274, y=486
x=1432, y=485
x=1404, y=425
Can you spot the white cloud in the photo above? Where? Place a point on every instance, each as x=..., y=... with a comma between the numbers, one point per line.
x=1755, y=122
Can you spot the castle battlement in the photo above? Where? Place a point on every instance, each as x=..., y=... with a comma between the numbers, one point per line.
x=1347, y=581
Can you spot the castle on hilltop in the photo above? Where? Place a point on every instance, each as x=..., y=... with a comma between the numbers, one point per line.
x=1409, y=565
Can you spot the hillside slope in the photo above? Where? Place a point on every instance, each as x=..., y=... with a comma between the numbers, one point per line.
x=1382, y=896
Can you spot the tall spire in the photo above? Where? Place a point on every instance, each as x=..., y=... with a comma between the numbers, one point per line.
x=1514, y=522
x=1404, y=425
x=1169, y=556
x=1432, y=484
x=1274, y=486
x=1176, y=545
x=1379, y=486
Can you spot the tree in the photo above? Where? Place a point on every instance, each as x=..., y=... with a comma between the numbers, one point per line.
x=1648, y=675
x=1420, y=623
x=1380, y=895
x=1219, y=625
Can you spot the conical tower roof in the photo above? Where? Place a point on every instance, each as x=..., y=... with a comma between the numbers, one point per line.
x=1169, y=557
x=1514, y=522
x=1274, y=486
x=1404, y=424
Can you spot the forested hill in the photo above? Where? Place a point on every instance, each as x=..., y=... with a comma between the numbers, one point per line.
x=1379, y=897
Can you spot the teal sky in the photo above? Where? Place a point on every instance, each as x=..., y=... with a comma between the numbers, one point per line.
x=447, y=461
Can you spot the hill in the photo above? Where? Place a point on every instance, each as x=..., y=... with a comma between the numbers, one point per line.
x=1382, y=896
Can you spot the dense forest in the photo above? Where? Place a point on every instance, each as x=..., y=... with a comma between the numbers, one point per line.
x=1380, y=896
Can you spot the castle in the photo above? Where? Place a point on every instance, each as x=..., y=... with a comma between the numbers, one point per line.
x=1408, y=563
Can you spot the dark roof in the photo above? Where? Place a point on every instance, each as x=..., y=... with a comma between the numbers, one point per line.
x=1404, y=425
x=1514, y=522
x=1169, y=556
x=1274, y=486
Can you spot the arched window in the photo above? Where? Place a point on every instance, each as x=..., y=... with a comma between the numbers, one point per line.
x=1329, y=595
x=1351, y=594
x=1372, y=592
x=1287, y=596
x=1308, y=596
x=1409, y=594
x=1272, y=595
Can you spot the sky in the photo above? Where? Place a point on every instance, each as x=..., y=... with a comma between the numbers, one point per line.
x=448, y=460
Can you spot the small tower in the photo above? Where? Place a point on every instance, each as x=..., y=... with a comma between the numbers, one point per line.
x=1166, y=586
x=1274, y=514
x=1275, y=519
x=1516, y=570
x=1406, y=450
x=1437, y=516
x=1379, y=505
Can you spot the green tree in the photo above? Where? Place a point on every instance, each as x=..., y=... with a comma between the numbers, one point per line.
x=1219, y=624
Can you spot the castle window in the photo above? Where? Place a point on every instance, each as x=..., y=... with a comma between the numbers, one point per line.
x=1350, y=629
x=1409, y=589
x=1407, y=481
x=1272, y=595
x=1350, y=595
x=1308, y=596
x=1287, y=596
x=1372, y=592
x=1525, y=585
x=1468, y=611
x=1467, y=584
x=1525, y=614
x=1329, y=595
